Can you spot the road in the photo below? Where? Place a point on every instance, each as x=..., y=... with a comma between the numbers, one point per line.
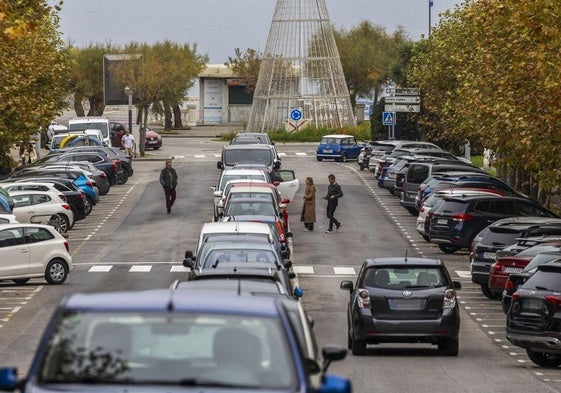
x=129, y=242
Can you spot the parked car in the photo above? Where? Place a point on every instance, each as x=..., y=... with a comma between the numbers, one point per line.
x=33, y=251
x=74, y=197
x=419, y=171
x=116, y=155
x=504, y=266
x=43, y=207
x=534, y=316
x=455, y=223
x=515, y=280
x=6, y=218
x=245, y=138
x=437, y=197
x=153, y=140
x=338, y=148
x=403, y=300
x=496, y=236
x=183, y=338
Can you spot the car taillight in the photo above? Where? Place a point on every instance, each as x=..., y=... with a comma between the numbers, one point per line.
x=555, y=300
x=496, y=267
x=66, y=206
x=422, y=210
x=461, y=217
x=114, y=166
x=81, y=195
x=363, y=298
x=449, y=299
x=515, y=296
x=103, y=175
x=67, y=246
x=281, y=231
x=90, y=183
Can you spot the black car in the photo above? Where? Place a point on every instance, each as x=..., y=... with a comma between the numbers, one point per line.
x=403, y=300
x=497, y=236
x=534, y=318
x=457, y=220
x=118, y=156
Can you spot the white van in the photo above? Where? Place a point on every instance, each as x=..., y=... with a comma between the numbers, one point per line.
x=90, y=123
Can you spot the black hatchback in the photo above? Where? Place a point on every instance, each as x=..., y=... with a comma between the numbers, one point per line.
x=457, y=220
x=534, y=318
x=403, y=300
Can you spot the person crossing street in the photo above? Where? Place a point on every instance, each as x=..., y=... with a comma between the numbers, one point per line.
x=334, y=192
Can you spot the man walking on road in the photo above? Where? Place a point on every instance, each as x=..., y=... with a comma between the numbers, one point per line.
x=334, y=192
x=168, y=180
x=127, y=141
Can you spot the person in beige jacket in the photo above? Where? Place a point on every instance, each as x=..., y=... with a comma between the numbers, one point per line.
x=309, y=208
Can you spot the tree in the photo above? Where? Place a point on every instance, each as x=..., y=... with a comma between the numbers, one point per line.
x=368, y=56
x=33, y=67
x=246, y=67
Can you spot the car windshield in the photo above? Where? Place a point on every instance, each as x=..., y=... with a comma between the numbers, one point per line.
x=404, y=277
x=187, y=349
x=249, y=208
x=90, y=126
x=248, y=156
x=218, y=257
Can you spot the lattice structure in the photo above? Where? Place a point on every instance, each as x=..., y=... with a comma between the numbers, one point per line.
x=301, y=70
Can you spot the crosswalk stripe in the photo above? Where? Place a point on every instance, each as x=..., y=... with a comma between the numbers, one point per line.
x=181, y=269
x=301, y=154
x=140, y=268
x=463, y=273
x=100, y=268
x=347, y=271
x=303, y=269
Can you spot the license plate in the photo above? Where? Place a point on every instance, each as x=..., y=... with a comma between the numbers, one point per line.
x=509, y=269
x=532, y=304
x=152, y=142
x=327, y=151
x=442, y=221
x=406, y=304
x=489, y=255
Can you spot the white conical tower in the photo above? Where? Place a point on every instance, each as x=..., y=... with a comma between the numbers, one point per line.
x=301, y=72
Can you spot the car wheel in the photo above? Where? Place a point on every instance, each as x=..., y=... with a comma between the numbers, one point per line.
x=487, y=292
x=358, y=347
x=88, y=207
x=60, y=223
x=123, y=178
x=319, y=158
x=448, y=249
x=449, y=346
x=544, y=359
x=156, y=147
x=344, y=157
x=56, y=272
x=361, y=167
x=426, y=238
x=21, y=281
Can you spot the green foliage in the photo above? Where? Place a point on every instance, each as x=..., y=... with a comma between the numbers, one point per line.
x=311, y=134
x=246, y=67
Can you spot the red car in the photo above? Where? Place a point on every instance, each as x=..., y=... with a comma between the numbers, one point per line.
x=153, y=140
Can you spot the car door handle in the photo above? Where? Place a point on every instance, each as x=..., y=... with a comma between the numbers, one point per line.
x=24, y=250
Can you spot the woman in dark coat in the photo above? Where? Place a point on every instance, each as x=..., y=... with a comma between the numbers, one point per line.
x=309, y=209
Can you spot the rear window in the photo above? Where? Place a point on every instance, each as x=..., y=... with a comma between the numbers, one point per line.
x=544, y=280
x=330, y=141
x=403, y=277
x=452, y=206
x=248, y=156
x=501, y=236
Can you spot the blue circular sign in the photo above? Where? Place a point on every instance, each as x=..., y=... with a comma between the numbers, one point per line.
x=296, y=114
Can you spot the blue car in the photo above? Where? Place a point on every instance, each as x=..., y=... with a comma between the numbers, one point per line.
x=338, y=147
x=183, y=339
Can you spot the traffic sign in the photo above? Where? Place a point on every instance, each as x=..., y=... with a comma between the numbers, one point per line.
x=402, y=108
x=403, y=91
x=296, y=114
x=403, y=99
x=388, y=118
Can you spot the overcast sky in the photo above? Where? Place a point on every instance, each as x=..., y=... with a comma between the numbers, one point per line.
x=220, y=26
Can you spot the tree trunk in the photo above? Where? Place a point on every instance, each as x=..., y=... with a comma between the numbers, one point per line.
x=142, y=137
x=167, y=116
x=177, y=120
x=78, y=107
x=139, y=115
x=97, y=106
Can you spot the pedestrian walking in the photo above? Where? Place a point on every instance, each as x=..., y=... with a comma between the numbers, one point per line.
x=168, y=180
x=334, y=192
x=29, y=154
x=308, y=215
x=127, y=141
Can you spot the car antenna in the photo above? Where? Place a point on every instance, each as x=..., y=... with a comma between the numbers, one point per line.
x=239, y=281
x=215, y=264
x=405, y=256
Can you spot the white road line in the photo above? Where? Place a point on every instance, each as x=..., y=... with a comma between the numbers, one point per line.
x=140, y=269
x=100, y=268
x=463, y=273
x=347, y=271
x=181, y=269
x=303, y=269
x=200, y=156
x=301, y=154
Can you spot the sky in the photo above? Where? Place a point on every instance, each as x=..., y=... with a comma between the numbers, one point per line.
x=217, y=27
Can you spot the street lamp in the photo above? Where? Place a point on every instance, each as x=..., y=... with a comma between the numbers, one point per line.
x=129, y=91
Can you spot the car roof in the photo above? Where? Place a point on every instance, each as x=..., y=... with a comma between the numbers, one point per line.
x=235, y=227
x=550, y=267
x=251, y=286
x=33, y=192
x=249, y=146
x=256, y=189
x=240, y=245
x=182, y=300
x=441, y=192
x=26, y=225
x=403, y=261
x=242, y=171
x=337, y=136
x=254, y=269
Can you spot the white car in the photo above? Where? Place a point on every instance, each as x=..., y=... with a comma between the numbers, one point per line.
x=224, y=193
x=7, y=218
x=33, y=251
x=42, y=207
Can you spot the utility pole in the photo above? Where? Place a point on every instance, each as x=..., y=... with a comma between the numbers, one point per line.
x=430, y=6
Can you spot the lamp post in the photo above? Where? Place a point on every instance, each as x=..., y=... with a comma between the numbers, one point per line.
x=129, y=91
x=430, y=6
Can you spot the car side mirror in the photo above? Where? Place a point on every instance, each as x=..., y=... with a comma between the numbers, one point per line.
x=217, y=194
x=277, y=165
x=287, y=263
x=457, y=284
x=347, y=285
x=332, y=353
x=9, y=379
x=220, y=165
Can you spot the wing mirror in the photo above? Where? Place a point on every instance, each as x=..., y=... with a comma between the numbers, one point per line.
x=189, y=259
x=298, y=292
x=287, y=263
x=220, y=165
